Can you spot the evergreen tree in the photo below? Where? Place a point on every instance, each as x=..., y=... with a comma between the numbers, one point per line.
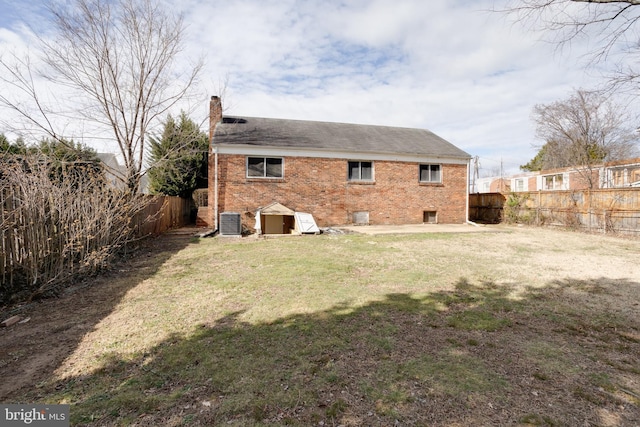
x=65, y=160
x=70, y=160
x=6, y=147
x=178, y=159
x=537, y=163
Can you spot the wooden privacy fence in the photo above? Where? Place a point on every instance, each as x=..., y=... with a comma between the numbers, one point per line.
x=162, y=213
x=603, y=210
x=486, y=208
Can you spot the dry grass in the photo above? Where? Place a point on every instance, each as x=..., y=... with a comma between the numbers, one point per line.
x=519, y=327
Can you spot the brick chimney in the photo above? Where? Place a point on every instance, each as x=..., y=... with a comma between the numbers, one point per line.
x=215, y=114
x=211, y=211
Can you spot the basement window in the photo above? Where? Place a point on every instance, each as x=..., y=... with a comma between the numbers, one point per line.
x=360, y=171
x=265, y=167
x=429, y=217
x=361, y=218
x=430, y=173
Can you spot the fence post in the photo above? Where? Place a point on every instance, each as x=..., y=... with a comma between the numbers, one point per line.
x=538, y=210
x=589, y=213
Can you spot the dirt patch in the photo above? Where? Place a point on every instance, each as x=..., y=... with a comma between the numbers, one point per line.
x=30, y=352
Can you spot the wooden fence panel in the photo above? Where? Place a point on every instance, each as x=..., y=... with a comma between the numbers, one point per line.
x=604, y=210
x=163, y=213
x=486, y=207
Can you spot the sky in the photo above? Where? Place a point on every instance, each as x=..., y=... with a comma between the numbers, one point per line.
x=470, y=75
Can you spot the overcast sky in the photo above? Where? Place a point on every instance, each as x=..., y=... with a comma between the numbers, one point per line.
x=449, y=66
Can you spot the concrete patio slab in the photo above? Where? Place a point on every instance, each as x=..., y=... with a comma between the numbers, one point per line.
x=423, y=228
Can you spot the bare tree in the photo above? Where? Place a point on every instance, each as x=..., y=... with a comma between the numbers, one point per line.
x=610, y=25
x=117, y=61
x=583, y=131
x=614, y=20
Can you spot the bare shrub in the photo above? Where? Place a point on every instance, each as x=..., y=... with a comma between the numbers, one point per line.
x=57, y=224
x=515, y=211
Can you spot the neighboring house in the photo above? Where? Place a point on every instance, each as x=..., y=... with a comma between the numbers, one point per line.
x=556, y=179
x=115, y=173
x=523, y=182
x=483, y=185
x=339, y=173
x=492, y=184
x=624, y=173
x=570, y=178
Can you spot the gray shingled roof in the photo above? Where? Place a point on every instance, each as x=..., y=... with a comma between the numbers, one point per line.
x=333, y=136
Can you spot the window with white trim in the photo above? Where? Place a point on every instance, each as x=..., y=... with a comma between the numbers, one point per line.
x=430, y=173
x=360, y=171
x=265, y=167
x=634, y=177
x=552, y=182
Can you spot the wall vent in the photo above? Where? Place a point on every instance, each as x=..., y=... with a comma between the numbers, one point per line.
x=361, y=218
x=230, y=224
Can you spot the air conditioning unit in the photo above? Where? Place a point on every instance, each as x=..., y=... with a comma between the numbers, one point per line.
x=230, y=224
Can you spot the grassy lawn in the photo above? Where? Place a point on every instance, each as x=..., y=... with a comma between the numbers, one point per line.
x=520, y=327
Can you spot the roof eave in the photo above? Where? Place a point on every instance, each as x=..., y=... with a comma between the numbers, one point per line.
x=250, y=149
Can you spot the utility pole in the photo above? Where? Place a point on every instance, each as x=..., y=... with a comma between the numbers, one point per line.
x=502, y=186
x=476, y=172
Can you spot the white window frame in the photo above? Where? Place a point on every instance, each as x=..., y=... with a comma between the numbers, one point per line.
x=431, y=172
x=555, y=184
x=519, y=184
x=264, y=172
x=359, y=178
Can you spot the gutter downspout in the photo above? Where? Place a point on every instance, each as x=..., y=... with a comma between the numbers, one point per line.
x=468, y=221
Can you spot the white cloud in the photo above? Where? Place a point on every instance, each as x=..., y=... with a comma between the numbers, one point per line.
x=445, y=65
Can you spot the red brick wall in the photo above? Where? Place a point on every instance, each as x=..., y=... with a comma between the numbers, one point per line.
x=500, y=185
x=319, y=186
x=580, y=180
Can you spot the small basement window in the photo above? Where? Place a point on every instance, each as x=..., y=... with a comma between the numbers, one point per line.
x=429, y=217
x=360, y=171
x=430, y=173
x=361, y=218
x=265, y=167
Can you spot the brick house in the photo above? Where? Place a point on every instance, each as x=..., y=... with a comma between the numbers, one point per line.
x=622, y=173
x=570, y=178
x=492, y=184
x=339, y=173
